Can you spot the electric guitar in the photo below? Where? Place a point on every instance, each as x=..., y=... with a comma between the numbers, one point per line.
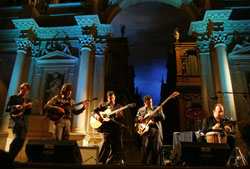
x=16, y=112
x=105, y=116
x=142, y=128
x=56, y=116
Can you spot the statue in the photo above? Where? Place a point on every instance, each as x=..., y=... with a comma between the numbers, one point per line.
x=54, y=86
x=176, y=35
x=122, y=29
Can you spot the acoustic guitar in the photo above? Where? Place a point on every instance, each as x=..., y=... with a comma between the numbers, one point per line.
x=105, y=116
x=56, y=116
x=142, y=128
x=16, y=112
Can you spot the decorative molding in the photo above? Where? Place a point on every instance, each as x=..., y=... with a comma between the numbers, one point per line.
x=87, y=20
x=25, y=24
x=87, y=41
x=217, y=15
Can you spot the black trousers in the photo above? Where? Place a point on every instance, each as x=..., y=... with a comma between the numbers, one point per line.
x=151, y=142
x=19, y=132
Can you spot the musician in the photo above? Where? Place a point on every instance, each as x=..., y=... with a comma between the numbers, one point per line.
x=218, y=122
x=64, y=98
x=152, y=140
x=18, y=105
x=109, y=129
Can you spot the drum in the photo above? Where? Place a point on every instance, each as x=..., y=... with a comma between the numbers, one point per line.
x=216, y=137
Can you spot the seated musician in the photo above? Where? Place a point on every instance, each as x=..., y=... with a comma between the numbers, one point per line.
x=218, y=122
x=109, y=129
x=152, y=140
x=57, y=105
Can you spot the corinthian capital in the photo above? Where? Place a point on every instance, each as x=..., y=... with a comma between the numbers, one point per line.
x=100, y=48
x=87, y=41
x=218, y=37
x=23, y=43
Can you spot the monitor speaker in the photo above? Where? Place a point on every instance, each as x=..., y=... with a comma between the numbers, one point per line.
x=53, y=151
x=200, y=154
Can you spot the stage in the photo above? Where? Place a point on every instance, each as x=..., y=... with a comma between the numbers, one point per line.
x=73, y=166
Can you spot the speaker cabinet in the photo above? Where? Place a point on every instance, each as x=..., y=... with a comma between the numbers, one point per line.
x=53, y=151
x=200, y=154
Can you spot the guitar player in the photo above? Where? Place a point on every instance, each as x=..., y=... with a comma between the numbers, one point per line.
x=18, y=105
x=152, y=140
x=109, y=129
x=56, y=104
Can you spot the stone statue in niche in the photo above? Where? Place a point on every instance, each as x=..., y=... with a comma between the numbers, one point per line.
x=54, y=86
x=176, y=35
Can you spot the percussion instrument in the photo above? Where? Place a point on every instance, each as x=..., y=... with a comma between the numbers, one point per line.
x=216, y=137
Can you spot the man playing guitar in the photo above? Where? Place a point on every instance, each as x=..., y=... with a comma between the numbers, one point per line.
x=57, y=104
x=109, y=129
x=152, y=139
x=18, y=106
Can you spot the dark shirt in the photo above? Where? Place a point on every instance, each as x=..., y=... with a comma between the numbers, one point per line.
x=17, y=100
x=107, y=126
x=11, y=108
x=61, y=101
x=210, y=122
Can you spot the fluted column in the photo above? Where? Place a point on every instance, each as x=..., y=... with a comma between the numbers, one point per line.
x=18, y=74
x=84, y=81
x=218, y=38
x=99, y=74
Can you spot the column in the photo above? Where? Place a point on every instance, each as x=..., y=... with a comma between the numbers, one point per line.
x=99, y=75
x=207, y=89
x=178, y=59
x=83, y=81
x=18, y=75
x=219, y=37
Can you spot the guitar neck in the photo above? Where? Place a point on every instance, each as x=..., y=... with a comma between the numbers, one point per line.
x=113, y=112
x=162, y=104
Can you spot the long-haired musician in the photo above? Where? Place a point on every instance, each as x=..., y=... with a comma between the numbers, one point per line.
x=58, y=105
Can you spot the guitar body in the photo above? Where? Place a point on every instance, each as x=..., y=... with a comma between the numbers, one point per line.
x=57, y=116
x=95, y=124
x=142, y=128
x=105, y=116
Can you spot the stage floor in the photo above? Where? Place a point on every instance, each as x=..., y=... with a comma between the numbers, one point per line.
x=73, y=166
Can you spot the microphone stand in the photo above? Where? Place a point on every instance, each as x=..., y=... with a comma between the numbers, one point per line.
x=122, y=126
x=236, y=154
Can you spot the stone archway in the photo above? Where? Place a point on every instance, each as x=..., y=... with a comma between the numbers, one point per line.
x=118, y=5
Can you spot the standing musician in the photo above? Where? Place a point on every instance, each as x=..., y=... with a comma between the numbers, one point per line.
x=219, y=123
x=152, y=140
x=109, y=129
x=63, y=125
x=18, y=106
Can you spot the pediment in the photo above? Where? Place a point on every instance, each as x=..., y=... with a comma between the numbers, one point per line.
x=57, y=55
x=240, y=56
x=242, y=50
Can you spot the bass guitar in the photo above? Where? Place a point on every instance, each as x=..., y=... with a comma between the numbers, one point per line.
x=142, y=128
x=16, y=112
x=105, y=116
x=56, y=116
